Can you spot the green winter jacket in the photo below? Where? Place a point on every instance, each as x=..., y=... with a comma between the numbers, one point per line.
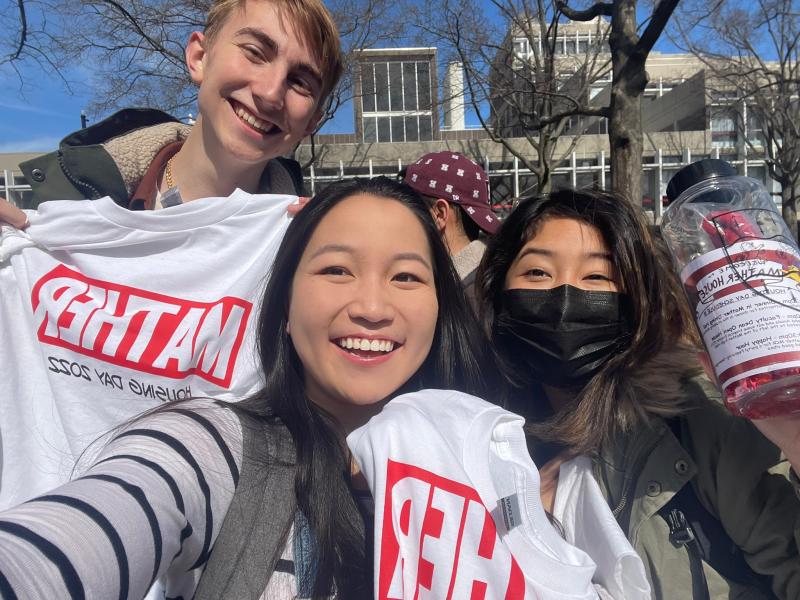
x=727, y=461
x=110, y=158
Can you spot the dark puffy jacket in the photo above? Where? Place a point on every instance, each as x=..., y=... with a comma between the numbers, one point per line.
x=110, y=158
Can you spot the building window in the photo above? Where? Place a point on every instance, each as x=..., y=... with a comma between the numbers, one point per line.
x=395, y=86
x=759, y=173
x=723, y=130
x=398, y=129
x=410, y=85
x=521, y=48
x=424, y=85
x=755, y=132
x=412, y=129
x=425, y=128
x=368, y=89
x=397, y=101
x=370, y=130
x=384, y=130
x=382, y=86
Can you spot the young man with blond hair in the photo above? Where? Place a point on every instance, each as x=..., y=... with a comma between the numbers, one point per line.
x=264, y=70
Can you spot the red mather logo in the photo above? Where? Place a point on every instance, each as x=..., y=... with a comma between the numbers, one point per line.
x=439, y=541
x=141, y=330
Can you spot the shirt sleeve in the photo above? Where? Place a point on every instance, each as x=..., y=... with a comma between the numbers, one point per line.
x=152, y=502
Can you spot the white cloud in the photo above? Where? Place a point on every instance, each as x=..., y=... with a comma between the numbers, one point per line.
x=36, y=144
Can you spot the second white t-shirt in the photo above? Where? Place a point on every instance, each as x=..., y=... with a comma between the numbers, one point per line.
x=458, y=512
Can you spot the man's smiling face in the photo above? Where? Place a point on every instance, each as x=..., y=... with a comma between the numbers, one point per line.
x=260, y=85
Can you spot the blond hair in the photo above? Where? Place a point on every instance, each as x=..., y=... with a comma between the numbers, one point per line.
x=312, y=22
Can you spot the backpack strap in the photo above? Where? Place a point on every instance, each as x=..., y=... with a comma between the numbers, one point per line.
x=282, y=176
x=693, y=526
x=255, y=528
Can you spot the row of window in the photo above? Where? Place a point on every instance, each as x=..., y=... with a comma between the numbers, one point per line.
x=396, y=86
x=724, y=132
x=398, y=128
x=579, y=43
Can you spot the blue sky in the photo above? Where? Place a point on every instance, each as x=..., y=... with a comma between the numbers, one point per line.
x=36, y=118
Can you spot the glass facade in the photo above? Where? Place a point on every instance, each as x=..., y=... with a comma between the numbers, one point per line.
x=396, y=101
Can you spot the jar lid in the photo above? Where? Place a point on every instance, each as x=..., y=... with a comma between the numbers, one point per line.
x=697, y=172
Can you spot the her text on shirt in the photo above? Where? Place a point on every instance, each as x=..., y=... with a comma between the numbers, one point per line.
x=439, y=541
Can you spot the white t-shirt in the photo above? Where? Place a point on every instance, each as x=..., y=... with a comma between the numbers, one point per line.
x=107, y=312
x=590, y=525
x=458, y=509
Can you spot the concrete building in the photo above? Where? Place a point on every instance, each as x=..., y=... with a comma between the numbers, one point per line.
x=682, y=121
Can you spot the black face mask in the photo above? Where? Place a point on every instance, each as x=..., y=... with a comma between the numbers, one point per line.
x=562, y=336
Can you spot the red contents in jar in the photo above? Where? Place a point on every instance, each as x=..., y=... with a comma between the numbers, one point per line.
x=772, y=403
x=725, y=228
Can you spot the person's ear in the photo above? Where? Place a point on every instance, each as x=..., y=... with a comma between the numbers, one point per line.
x=440, y=211
x=196, y=56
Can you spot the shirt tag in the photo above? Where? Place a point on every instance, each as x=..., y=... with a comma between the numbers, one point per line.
x=512, y=516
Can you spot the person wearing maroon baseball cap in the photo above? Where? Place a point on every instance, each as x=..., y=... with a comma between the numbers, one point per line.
x=457, y=192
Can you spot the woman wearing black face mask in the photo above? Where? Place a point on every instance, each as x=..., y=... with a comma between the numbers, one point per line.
x=599, y=351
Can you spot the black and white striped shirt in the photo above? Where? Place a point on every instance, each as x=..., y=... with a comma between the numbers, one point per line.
x=150, y=507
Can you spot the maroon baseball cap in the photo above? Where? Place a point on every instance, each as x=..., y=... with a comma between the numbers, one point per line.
x=457, y=179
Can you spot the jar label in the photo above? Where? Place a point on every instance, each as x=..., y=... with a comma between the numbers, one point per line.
x=747, y=304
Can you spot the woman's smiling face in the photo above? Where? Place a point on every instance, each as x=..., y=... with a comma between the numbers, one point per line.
x=363, y=306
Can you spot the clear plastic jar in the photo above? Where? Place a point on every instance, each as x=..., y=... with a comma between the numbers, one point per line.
x=740, y=268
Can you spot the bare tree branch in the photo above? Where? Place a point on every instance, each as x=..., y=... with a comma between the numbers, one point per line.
x=523, y=91
x=599, y=9
x=658, y=21
x=629, y=52
x=760, y=97
x=23, y=33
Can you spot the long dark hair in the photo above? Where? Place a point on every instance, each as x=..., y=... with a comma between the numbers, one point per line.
x=605, y=405
x=455, y=361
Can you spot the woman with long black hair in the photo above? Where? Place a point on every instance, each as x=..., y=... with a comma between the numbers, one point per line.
x=584, y=315
x=362, y=304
